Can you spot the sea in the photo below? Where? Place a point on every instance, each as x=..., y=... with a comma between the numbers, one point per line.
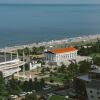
x=29, y=23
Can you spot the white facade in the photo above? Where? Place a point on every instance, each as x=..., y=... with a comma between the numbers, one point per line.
x=60, y=57
x=34, y=65
x=10, y=67
x=93, y=94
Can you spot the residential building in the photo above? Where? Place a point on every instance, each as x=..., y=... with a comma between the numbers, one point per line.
x=88, y=86
x=93, y=90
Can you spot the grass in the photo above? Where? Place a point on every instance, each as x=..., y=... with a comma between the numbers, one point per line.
x=57, y=78
x=95, y=55
x=55, y=97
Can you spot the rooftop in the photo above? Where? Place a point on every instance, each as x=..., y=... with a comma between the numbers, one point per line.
x=62, y=50
x=84, y=77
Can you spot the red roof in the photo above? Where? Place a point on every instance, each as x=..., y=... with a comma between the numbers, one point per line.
x=62, y=50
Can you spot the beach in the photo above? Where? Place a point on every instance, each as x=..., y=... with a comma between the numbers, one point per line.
x=81, y=39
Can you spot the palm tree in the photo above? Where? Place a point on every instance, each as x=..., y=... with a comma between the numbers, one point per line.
x=26, y=51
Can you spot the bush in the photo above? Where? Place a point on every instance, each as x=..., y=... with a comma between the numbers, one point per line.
x=51, y=80
x=55, y=68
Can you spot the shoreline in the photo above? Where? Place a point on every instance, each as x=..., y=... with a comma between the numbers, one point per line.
x=84, y=38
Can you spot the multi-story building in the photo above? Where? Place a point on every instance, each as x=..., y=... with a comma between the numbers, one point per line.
x=93, y=90
x=60, y=55
x=88, y=86
x=10, y=65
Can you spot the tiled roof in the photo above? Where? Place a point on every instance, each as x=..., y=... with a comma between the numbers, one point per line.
x=62, y=50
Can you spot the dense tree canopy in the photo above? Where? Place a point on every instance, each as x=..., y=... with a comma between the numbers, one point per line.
x=31, y=96
x=86, y=50
x=3, y=90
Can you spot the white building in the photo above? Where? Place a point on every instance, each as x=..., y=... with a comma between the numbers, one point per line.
x=10, y=64
x=60, y=55
x=9, y=68
x=34, y=65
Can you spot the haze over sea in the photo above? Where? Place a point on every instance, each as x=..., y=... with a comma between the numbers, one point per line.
x=22, y=24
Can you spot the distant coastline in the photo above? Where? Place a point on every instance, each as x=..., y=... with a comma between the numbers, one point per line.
x=42, y=22
x=84, y=38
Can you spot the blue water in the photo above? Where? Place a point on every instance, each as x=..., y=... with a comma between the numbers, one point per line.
x=21, y=24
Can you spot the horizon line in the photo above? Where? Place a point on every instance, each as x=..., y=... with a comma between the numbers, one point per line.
x=49, y=4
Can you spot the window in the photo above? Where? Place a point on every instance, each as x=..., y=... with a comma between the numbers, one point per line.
x=90, y=91
x=98, y=98
x=92, y=96
x=98, y=93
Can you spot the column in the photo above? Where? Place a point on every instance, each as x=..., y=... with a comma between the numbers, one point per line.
x=18, y=68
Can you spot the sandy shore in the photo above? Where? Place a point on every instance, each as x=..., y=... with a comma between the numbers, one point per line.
x=54, y=42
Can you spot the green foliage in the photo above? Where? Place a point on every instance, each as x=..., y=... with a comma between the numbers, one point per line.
x=34, y=50
x=31, y=96
x=84, y=66
x=43, y=70
x=55, y=97
x=33, y=85
x=26, y=51
x=14, y=87
x=38, y=50
x=89, y=49
x=96, y=60
x=62, y=69
x=58, y=78
x=3, y=90
x=73, y=69
x=42, y=82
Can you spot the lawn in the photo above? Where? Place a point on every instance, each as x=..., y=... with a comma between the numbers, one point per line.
x=95, y=54
x=58, y=78
x=55, y=97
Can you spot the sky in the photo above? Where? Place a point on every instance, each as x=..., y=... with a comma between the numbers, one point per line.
x=53, y=1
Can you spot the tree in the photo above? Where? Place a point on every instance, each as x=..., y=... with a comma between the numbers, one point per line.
x=25, y=86
x=31, y=96
x=43, y=70
x=26, y=51
x=47, y=69
x=96, y=60
x=36, y=83
x=3, y=90
x=34, y=50
x=30, y=85
x=42, y=82
x=62, y=69
x=13, y=86
x=20, y=52
x=71, y=69
x=84, y=66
